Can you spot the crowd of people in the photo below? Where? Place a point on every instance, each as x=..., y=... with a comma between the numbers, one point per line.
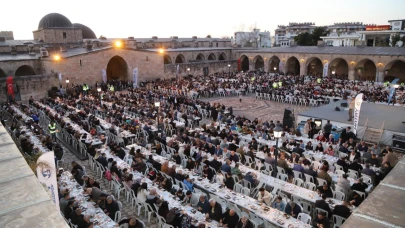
x=134, y=110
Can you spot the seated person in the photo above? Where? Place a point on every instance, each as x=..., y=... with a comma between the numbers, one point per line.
x=292, y=209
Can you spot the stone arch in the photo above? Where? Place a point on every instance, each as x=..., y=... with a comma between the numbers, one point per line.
x=244, y=63
x=292, y=66
x=365, y=70
x=259, y=62
x=2, y=74
x=222, y=57
x=167, y=59
x=25, y=70
x=212, y=57
x=274, y=64
x=314, y=67
x=180, y=59
x=340, y=67
x=395, y=69
x=200, y=57
x=117, y=69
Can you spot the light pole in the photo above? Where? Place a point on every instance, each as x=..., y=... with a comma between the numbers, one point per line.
x=188, y=70
x=277, y=134
x=229, y=69
x=275, y=69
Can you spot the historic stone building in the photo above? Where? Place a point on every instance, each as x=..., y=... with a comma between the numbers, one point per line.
x=73, y=51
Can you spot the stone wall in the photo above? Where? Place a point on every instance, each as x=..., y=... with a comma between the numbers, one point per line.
x=353, y=61
x=36, y=86
x=10, y=67
x=197, y=68
x=55, y=35
x=87, y=67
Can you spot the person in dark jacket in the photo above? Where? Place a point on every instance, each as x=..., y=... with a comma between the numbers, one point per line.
x=292, y=209
x=321, y=220
x=229, y=181
x=323, y=205
x=208, y=173
x=342, y=210
x=132, y=223
x=327, y=129
x=203, y=205
x=215, y=212
x=229, y=218
x=111, y=207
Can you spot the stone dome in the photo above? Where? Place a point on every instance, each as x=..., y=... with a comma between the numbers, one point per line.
x=86, y=31
x=54, y=20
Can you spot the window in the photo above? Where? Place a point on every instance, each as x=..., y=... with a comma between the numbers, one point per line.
x=64, y=35
x=80, y=62
x=217, y=44
x=147, y=58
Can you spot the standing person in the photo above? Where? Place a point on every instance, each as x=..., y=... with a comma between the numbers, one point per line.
x=351, y=107
x=313, y=126
x=327, y=129
x=307, y=128
x=240, y=97
x=52, y=130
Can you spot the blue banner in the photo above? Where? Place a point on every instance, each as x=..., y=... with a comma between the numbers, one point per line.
x=392, y=89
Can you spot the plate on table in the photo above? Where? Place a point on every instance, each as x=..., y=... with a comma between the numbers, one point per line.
x=281, y=222
x=287, y=216
x=213, y=190
x=227, y=197
x=208, y=220
x=253, y=207
x=207, y=186
x=200, y=179
x=194, y=221
x=293, y=226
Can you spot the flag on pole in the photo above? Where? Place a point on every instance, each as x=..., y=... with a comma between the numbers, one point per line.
x=104, y=74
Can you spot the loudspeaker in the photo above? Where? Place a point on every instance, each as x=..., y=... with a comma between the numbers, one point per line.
x=289, y=122
x=398, y=142
x=344, y=105
x=288, y=113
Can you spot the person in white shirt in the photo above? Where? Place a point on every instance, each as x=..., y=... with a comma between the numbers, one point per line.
x=264, y=196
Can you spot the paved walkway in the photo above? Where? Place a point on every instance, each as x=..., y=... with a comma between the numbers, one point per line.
x=252, y=108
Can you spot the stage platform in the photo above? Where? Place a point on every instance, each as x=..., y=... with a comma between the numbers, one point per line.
x=376, y=114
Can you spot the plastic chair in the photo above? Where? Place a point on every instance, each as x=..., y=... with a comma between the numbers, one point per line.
x=339, y=195
x=338, y=221
x=245, y=191
x=321, y=181
x=310, y=186
x=237, y=187
x=309, y=178
x=283, y=177
x=297, y=174
x=362, y=194
x=298, y=182
x=304, y=218
x=117, y=217
x=306, y=207
x=149, y=211
x=317, y=210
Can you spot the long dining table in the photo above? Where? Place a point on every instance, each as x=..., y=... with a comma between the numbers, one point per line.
x=265, y=212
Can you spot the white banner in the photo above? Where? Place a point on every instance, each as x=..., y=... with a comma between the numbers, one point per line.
x=280, y=67
x=60, y=78
x=357, y=106
x=177, y=70
x=325, y=69
x=104, y=74
x=46, y=173
x=135, y=77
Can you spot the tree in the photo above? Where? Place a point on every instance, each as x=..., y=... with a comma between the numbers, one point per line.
x=394, y=39
x=304, y=39
x=317, y=33
x=307, y=39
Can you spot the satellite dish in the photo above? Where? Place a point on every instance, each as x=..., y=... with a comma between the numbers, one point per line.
x=400, y=43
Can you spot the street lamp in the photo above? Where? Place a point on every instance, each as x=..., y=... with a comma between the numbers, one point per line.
x=118, y=44
x=99, y=89
x=229, y=68
x=157, y=104
x=188, y=69
x=67, y=81
x=275, y=69
x=277, y=131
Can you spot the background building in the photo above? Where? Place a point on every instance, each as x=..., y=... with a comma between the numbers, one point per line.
x=344, y=34
x=284, y=35
x=254, y=38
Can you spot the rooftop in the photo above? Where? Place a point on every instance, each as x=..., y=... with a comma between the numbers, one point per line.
x=390, y=51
